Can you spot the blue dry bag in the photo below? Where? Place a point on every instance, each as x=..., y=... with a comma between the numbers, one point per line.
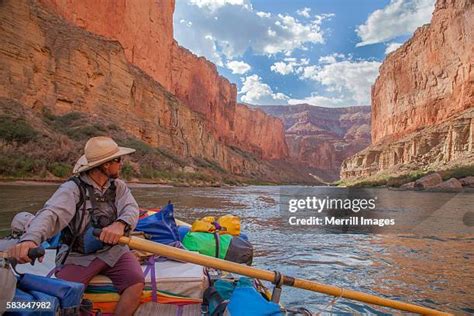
x=68, y=293
x=237, y=299
x=246, y=301
x=161, y=226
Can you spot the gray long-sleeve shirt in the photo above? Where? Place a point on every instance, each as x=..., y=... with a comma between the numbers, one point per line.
x=61, y=207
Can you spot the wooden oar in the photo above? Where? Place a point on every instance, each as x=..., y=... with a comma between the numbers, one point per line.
x=187, y=256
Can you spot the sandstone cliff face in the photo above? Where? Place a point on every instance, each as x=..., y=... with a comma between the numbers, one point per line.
x=444, y=146
x=430, y=78
x=423, y=98
x=196, y=83
x=259, y=132
x=145, y=30
x=47, y=63
x=322, y=138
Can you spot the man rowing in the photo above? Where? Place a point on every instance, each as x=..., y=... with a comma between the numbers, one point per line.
x=95, y=198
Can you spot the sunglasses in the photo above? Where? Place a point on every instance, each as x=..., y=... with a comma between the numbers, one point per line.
x=118, y=160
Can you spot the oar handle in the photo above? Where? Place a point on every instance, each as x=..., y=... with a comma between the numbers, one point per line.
x=33, y=254
x=97, y=231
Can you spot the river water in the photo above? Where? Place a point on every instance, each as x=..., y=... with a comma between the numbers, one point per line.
x=433, y=270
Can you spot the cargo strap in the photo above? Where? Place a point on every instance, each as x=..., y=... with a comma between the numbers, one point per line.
x=276, y=294
x=218, y=243
x=179, y=310
x=53, y=271
x=150, y=268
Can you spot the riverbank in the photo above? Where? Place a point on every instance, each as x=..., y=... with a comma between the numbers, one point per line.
x=57, y=182
x=451, y=179
x=138, y=183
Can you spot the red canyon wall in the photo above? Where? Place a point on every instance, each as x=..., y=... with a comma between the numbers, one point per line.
x=430, y=78
x=48, y=64
x=423, y=100
x=265, y=132
x=145, y=30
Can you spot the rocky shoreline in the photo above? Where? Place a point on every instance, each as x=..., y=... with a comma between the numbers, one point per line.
x=433, y=182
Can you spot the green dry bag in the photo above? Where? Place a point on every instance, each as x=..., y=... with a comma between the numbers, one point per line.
x=227, y=247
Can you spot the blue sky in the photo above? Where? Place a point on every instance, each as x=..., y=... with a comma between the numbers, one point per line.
x=321, y=52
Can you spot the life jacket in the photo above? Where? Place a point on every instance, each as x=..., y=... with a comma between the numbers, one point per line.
x=83, y=241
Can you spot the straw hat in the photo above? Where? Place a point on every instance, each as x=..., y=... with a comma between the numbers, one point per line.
x=99, y=150
x=21, y=221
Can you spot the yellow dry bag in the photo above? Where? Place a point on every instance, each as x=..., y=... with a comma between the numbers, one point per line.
x=230, y=224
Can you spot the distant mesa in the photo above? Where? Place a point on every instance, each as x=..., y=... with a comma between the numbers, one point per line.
x=321, y=138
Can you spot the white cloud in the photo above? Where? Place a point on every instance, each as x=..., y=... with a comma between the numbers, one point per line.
x=289, y=65
x=330, y=59
x=254, y=91
x=391, y=47
x=187, y=23
x=208, y=48
x=399, y=17
x=238, y=67
x=324, y=16
x=298, y=35
x=321, y=101
x=271, y=32
x=264, y=14
x=350, y=79
x=304, y=12
x=327, y=59
x=216, y=4
x=261, y=32
x=282, y=68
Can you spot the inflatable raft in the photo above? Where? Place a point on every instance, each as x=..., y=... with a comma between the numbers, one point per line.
x=171, y=287
x=181, y=287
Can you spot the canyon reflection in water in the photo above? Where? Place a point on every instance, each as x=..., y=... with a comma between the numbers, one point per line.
x=434, y=270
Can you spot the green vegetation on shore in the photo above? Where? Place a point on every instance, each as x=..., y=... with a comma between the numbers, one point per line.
x=16, y=130
x=385, y=179
x=46, y=147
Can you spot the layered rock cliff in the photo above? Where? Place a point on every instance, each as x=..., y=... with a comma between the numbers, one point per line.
x=145, y=30
x=443, y=146
x=422, y=100
x=430, y=78
x=260, y=132
x=322, y=138
x=48, y=64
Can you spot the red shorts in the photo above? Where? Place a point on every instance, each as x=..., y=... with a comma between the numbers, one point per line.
x=125, y=273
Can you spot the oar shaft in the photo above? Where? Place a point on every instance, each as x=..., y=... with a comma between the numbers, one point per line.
x=363, y=297
x=187, y=256
x=183, y=255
